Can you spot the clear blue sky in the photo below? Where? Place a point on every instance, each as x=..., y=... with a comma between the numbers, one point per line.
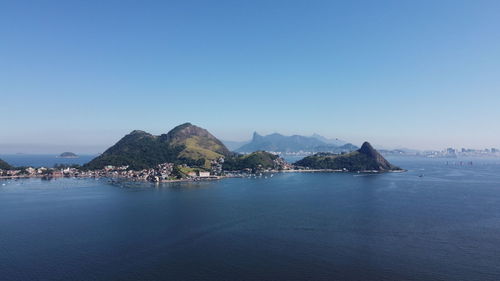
x=420, y=74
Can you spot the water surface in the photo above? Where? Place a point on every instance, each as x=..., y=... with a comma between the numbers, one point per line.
x=43, y=160
x=444, y=225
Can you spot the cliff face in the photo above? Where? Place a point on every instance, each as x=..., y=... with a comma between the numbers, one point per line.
x=379, y=161
x=185, y=144
x=364, y=159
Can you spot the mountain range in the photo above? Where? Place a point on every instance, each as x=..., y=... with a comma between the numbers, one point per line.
x=185, y=144
x=190, y=146
x=295, y=144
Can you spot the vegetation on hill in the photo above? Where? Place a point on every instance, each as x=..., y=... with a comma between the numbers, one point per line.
x=195, y=144
x=185, y=144
x=197, y=148
x=364, y=159
x=258, y=160
x=4, y=165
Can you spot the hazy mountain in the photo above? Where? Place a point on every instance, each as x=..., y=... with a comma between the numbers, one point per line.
x=67, y=155
x=234, y=145
x=293, y=144
x=185, y=144
x=364, y=159
x=336, y=142
x=348, y=147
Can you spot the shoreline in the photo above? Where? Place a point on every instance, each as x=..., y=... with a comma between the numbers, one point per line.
x=196, y=179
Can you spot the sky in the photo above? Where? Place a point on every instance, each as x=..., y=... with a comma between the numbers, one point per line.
x=78, y=75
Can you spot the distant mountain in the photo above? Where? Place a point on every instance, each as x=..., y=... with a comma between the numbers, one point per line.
x=348, y=147
x=336, y=142
x=4, y=165
x=233, y=145
x=185, y=144
x=294, y=144
x=364, y=159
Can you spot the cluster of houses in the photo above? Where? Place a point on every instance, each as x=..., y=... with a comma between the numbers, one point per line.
x=217, y=166
x=30, y=172
x=162, y=172
x=281, y=164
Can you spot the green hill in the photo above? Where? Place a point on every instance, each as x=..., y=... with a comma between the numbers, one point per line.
x=258, y=160
x=364, y=159
x=195, y=143
x=4, y=165
x=185, y=144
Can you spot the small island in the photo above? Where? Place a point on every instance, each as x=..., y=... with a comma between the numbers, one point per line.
x=68, y=155
x=365, y=159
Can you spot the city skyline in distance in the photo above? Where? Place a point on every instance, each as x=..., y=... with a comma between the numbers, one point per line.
x=90, y=148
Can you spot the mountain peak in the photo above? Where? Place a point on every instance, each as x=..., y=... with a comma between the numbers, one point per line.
x=138, y=132
x=184, y=125
x=180, y=127
x=187, y=130
x=188, y=135
x=364, y=159
x=256, y=136
x=186, y=143
x=367, y=148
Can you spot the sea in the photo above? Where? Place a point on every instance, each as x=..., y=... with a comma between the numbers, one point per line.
x=43, y=160
x=440, y=220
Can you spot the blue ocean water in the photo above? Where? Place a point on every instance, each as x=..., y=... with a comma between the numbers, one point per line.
x=43, y=160
x=434, y=222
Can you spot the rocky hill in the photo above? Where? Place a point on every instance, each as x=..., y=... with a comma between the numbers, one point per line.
x=185, y=144
x=259, y=160
x=364, y=159
x=196, y=143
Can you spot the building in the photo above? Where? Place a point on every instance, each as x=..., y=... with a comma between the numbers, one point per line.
x=203, y=174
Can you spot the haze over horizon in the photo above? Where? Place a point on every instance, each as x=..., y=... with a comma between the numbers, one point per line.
x=97, y=148
x=79, y=75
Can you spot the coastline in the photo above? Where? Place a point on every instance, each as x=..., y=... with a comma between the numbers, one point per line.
x=212, y=178
x=194, y=179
